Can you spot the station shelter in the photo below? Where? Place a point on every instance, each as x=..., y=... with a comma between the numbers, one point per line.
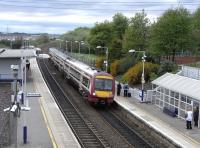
x=10, y=57
x=176, y=92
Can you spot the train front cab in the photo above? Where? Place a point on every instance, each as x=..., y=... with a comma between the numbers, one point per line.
x=102, y=89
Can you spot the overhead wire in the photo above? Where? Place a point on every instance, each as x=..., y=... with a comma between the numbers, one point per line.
x=67, y=6
x=96, y=2
x=100, y=3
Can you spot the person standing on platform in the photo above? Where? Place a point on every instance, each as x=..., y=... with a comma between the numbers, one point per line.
x=119, y=87
x=196, y=116
x=126, y=88
x=28, y=64
x=188, y=118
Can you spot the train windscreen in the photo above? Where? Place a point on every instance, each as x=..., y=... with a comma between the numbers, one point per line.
x=103, y=84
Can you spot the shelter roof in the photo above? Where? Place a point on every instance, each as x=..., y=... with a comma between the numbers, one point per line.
x=17, y=53
x=184, y=85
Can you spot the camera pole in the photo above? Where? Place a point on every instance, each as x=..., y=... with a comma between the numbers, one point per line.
x=15, y=75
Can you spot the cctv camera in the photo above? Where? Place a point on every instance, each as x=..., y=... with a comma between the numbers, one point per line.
x=14, y=67
x=13, y=108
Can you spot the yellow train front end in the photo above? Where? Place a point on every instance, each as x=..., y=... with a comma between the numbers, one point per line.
x=102, y=89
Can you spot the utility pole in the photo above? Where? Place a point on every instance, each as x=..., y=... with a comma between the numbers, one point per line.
x=14, y=108
x=142, y=78
x=105, y=62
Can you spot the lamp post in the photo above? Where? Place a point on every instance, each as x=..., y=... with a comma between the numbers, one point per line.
x=60, y=42
x=106, y=62
x=66, y=46
x=70, y=47
x=25, y=100
x=142, y=78
x=11, y=43
x=15, y=69
x=83, y=43
x=79, y=45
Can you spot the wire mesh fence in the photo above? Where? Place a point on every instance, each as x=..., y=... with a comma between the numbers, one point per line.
x=5, y=93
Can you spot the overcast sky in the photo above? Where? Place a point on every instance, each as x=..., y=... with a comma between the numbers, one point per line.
x=60, y=16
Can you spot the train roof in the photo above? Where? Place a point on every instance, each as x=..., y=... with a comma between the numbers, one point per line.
x=79, y=65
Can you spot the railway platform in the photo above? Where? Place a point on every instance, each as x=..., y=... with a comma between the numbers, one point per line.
x=45, y=122
x=171, y=128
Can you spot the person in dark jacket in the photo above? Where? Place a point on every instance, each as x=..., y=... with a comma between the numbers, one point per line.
x=126, y=88
x=196, y=116
x=119, y=87
x=27, y=64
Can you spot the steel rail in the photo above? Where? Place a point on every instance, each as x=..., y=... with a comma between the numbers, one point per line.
x=83, y=129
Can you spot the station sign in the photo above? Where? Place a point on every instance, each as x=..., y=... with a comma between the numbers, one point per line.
x=30, y=94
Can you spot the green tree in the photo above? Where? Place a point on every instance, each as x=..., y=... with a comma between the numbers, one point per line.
x=42, y=39
x=78, y=34
x=196, y=30
x=171, y=33
x=136, y=35
x=100, y=35
x=119, y=25
x=17, y=44
x=4, y=43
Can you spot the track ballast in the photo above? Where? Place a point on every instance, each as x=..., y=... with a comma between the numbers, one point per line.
x=83, y=130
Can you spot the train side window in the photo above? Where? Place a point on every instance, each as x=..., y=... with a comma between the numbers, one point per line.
x=86, y=82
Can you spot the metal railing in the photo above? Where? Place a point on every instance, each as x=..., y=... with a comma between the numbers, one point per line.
x=191, y=72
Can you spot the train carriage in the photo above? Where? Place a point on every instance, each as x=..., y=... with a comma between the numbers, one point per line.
x=96, y=87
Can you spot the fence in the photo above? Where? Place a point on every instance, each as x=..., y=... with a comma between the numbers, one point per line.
x=5, y=130
x=191, y=72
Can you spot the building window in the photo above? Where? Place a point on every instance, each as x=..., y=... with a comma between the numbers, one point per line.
x=172, y=94
x=167, y=91
x=183, y=98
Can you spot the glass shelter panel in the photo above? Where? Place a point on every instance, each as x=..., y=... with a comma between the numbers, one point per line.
x=167, y=91
x=172, y=101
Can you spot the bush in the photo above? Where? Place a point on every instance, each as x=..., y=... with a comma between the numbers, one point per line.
x=125, y=64
x=167, y=66
x=99, y=62
x=114, y=67
x=153, y=76
x=133, y=75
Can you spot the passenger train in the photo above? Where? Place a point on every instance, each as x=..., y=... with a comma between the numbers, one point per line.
x=97, y=87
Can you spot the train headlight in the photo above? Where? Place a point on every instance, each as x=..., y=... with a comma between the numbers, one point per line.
x=94, y=94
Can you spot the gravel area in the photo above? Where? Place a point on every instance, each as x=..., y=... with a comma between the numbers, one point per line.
x=5, y=94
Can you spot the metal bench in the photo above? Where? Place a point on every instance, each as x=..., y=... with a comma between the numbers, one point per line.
x=171, y=111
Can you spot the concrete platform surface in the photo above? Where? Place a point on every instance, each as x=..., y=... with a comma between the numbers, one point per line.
x=60, y=132
x=46, y=125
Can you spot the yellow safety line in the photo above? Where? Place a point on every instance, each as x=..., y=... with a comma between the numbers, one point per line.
x=44, y=114
x=47, y=125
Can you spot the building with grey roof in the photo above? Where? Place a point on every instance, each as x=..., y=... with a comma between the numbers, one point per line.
x=176, y=93
x=10, y=57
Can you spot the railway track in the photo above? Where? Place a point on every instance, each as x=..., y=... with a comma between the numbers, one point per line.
x=124, y=129
x=120, y=128
x=85, y=132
